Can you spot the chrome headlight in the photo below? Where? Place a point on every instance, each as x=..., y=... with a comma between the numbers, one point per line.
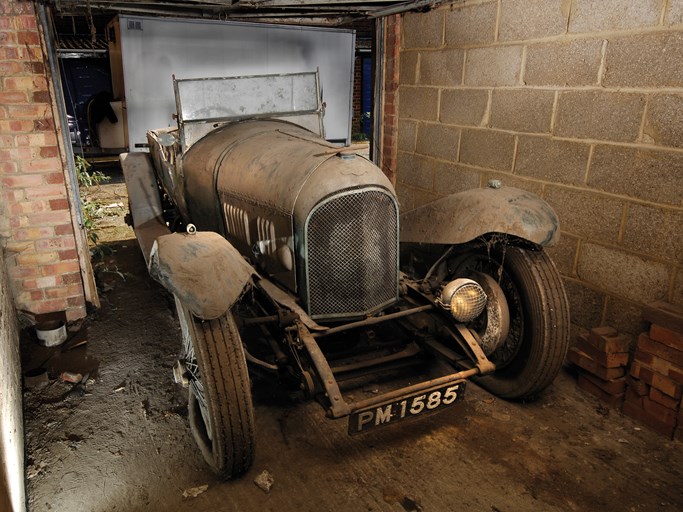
x=464, y=298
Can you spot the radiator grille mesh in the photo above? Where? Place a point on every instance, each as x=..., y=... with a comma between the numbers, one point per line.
x=352, y=263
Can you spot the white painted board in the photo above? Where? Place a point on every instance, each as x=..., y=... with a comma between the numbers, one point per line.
x=155, y=49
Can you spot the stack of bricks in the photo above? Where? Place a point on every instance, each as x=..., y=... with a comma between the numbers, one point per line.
x=655, y=384
x=602, y=356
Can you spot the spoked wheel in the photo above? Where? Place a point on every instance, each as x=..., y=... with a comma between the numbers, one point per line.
x=219, y=405
x=531, y=355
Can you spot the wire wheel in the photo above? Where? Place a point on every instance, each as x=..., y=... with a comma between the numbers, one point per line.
x=531, y=356
x=220, y=407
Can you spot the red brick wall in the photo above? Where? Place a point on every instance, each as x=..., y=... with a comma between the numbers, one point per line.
x=35, y=220
x=390, y=96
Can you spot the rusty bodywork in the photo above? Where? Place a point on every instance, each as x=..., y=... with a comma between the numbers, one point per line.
x=248, y=215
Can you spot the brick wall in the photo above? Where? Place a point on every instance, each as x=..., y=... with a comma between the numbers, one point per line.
x=357, y=91
x=580, y=101
x=35, y=218
x=390, y=80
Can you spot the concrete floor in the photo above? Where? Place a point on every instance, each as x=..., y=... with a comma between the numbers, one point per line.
x=125, y=445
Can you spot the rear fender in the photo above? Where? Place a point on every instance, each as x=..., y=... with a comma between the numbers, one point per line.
x=464, y=216
x=205, y=272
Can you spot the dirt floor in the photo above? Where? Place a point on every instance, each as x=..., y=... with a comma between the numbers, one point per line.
x=123, y=443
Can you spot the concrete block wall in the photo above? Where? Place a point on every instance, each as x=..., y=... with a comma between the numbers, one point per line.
x=36, y=224
x=580, y=101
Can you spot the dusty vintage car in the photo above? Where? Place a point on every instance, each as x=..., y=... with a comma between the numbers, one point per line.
x=282, y=251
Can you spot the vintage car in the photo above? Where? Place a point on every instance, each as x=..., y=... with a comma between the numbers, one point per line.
x=287, y=256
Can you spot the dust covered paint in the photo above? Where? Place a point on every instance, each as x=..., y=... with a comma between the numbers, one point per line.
x=467, y=215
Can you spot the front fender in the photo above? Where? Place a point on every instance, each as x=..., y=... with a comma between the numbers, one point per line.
x=464, y=216
x=203, y=270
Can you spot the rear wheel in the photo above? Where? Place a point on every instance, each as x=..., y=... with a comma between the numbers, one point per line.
x=219, y=404
x=532, y=354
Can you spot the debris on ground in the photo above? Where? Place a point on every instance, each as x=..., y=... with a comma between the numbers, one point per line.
x=71, y=377
x=193, y=492
x=264, y=481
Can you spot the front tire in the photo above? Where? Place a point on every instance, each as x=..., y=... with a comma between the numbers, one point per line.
x=531, y=356
x=220, y=406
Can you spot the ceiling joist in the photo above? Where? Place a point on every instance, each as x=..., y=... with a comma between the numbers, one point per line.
x=331, y=12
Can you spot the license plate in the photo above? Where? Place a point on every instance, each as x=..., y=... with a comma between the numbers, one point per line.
x=405, y=407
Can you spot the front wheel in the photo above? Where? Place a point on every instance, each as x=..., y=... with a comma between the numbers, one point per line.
x=220, y=407
x=532, y=354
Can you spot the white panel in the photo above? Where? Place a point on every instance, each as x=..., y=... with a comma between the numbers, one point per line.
x=154, y=49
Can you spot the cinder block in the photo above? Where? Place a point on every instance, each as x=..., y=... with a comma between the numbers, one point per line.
x=463, y=106
x=441, y=67
x=666, y=401
x=510, y=180
x=406, y=135
x=645, y=60
x=423, y=30
x=411, y=170
x=449, y=179
x=666, y=336
x=408, y=68
x=644, y=417
x=608, y=360
x=599, y=115
x=405, y=196
x=607, y=339
x=655, y=379
x=624, y=274
x=553, y=160
x=486, y=148
x=674, y=16
x=582, y=221
x=522, y=110
x=572, y=63
x=493, y=66
x=583, y=360
x=625, y=314
x=438, y=141
x=585, y=384
x=664, y=120
x=586, y=304
x=563, y=254
x=532, y=19
x=419, y=102
x=637, y=386
x=471, y=25
x=660, y=350
x=660, y=227
x=592, y=16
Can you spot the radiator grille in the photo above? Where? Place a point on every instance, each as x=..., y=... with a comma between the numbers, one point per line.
x=352, y=254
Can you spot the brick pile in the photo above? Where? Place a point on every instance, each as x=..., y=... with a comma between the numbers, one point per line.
x=655, y=383
x=601, y=357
